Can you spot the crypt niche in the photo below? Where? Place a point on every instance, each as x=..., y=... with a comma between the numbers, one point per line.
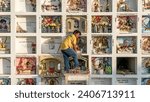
x=145, y=65
x=50, y=70
x=101, y=65
x=83, y=64
x=4, y=5
x=145, y=81
x=101, y=45
x=5, y=24
x=126, y=45
x=25, y=45
x=101, y=81
x=51, y=5
x=145, y=45
x=5, y=45
x=126, y=24
x=25, y=24
x=25, y=5
x=101, y=5
x=5, y=81
x=50, y=45
x=126, y=65
x=5, y=66
x=126, y=81
x=76, y=6
x=26, y=81
x=127, y=5
x=146, y=5
x=76, y=23
x=146, y=24
x=51, y=24
x=25, y=65
x=101, y=24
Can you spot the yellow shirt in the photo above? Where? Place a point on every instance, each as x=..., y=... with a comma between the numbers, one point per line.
x=69, y=42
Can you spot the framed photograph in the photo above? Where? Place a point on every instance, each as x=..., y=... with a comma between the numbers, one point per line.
x=51, y=5
x=76, y=6
x=126, y=45
x=101, y=45
x=25, y=5
x=127, y=5
x=101, y=24
x=51, y=24
x=101, y=5
x=101, y=65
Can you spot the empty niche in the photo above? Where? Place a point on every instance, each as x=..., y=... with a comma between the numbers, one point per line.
x=26, y=81
x=126, y=81
x=5, y=81
x=126, y=65
x=126, y=45
x=146, y=65
x=5, y=66
x=26, y=45
x=145, y=45
x=145, y=81
x=5, y=24
x=50, y=45
x=100, y=81
x=51, y=24
x=101, y=65
x=101, y=5
x=25, y=5
x=4, y=5
x=5, y=45
x=25, y=65
x=146, y=5
x=50, y=70
x=126, y=24
x=76, y=6
x=101, y=24
x=25, y=24
x=127, y=5
x=76, y=23
x=51, y=5
x=146, y=24
x=101, y=45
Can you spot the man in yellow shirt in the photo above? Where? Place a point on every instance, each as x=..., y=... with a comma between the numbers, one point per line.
x=69, y=48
